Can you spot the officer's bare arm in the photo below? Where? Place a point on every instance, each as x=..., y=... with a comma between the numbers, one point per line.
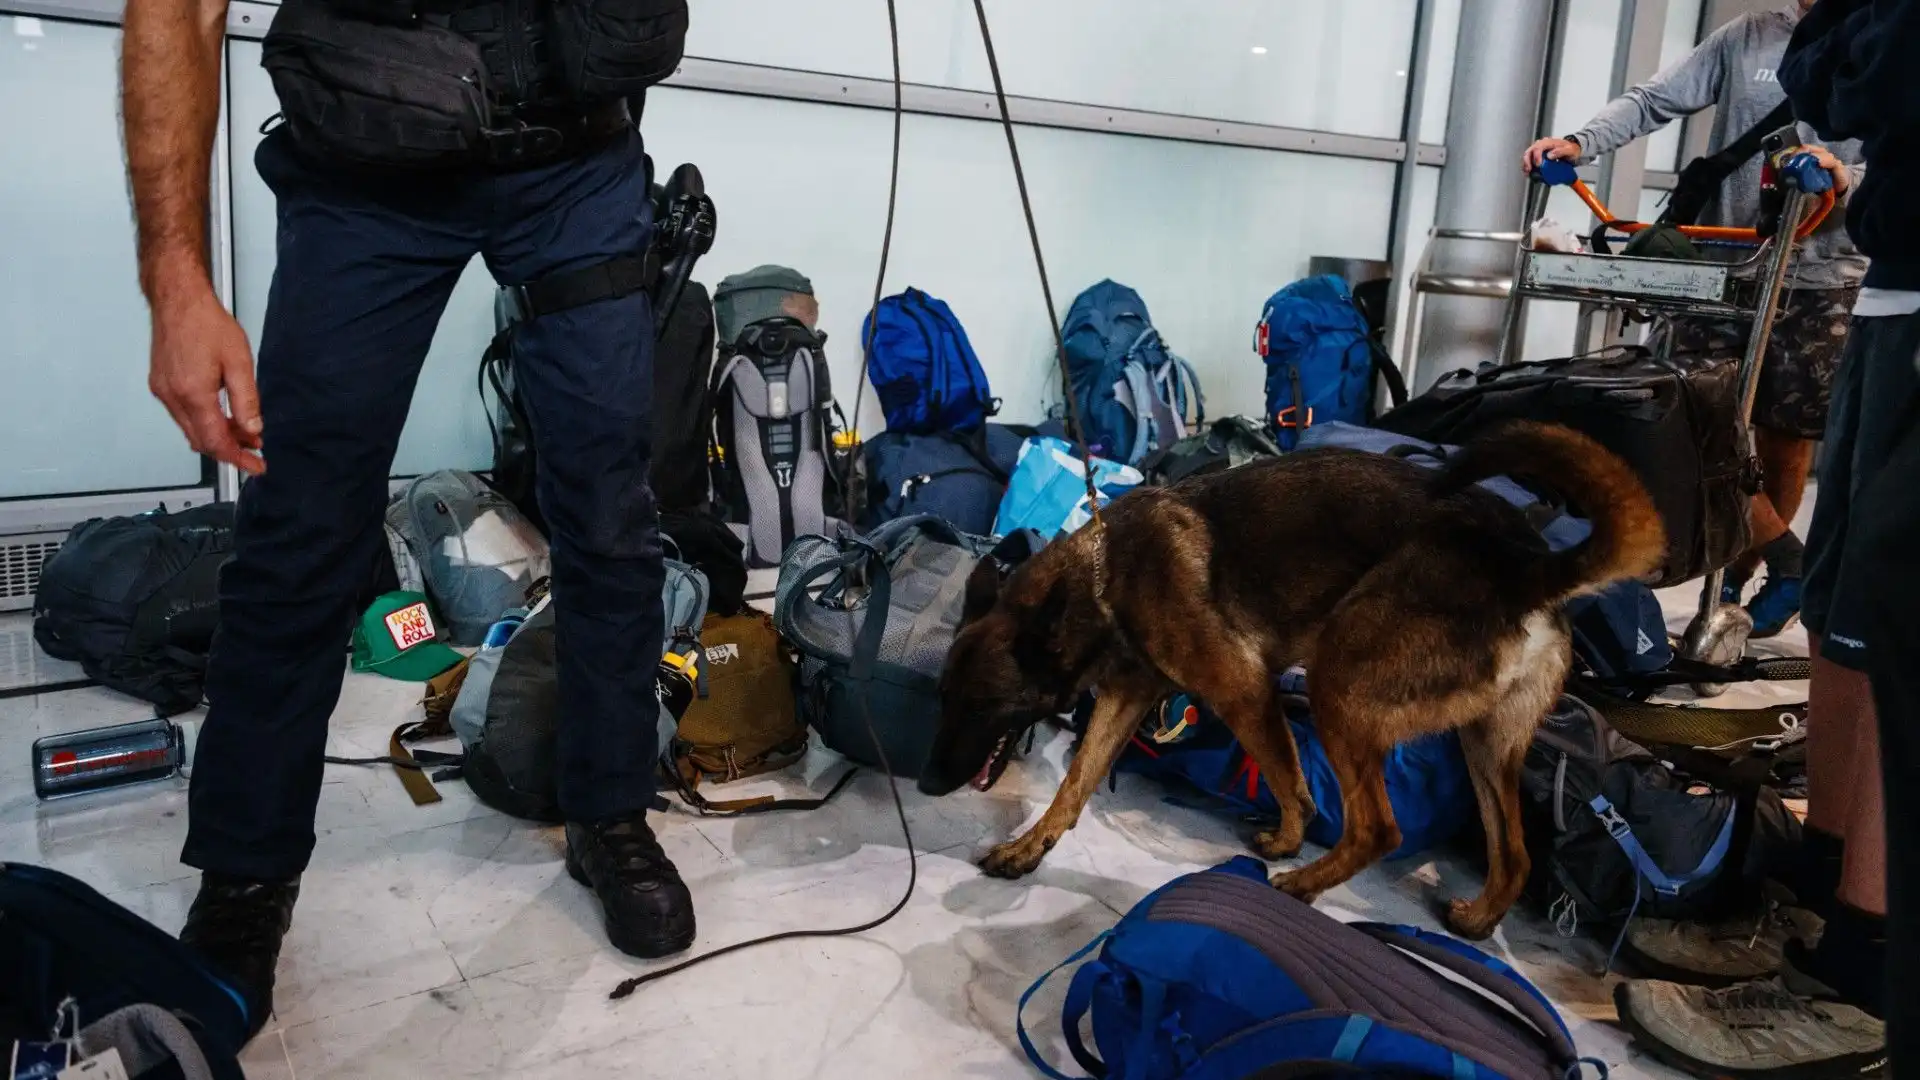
x=170, y=103
x=170, y=98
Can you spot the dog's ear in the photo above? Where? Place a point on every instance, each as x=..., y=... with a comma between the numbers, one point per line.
x=983, y=591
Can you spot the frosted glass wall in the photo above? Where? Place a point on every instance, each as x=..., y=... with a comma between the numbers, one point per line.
x=75, y=414
x=1336, y=65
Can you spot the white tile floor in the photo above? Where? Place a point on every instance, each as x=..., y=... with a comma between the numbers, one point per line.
x=447, y=941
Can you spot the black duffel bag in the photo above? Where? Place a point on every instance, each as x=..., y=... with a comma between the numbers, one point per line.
x=134, y=600
x=1674, y=421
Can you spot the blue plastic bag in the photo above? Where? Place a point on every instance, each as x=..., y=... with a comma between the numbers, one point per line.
x=1048, y=491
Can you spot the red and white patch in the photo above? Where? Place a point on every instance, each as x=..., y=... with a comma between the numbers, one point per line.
x=409, y=626
x=1260, y=338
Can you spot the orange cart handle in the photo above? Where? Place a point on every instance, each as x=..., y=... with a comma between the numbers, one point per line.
x=1702, y=232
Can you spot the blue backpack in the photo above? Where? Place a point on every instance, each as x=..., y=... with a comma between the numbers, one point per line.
x=1219, y=976
x=1185, y=744
x=1133, y=394
x=923, y=367
x=1321, y=358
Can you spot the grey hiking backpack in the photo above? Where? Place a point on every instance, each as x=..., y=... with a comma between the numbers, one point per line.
x=778, y=468
x=912, y=571
x=507, y=714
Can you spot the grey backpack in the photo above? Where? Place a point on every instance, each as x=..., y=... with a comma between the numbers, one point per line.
x=467, y=547
x=507, y=712
x=778, y=468
x=913, y=573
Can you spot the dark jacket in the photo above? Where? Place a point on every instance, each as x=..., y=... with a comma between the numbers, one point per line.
x=1850, y=73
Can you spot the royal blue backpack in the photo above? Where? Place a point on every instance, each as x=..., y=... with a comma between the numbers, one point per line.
x=1134, y=395
x=1321, y=358
x=1219, y=976
x=1186, y=745
x=923, y=367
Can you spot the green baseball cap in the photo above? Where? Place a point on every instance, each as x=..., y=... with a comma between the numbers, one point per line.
x=397, y=638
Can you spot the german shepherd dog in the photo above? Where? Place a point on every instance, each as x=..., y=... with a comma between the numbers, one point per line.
x=1418, y=602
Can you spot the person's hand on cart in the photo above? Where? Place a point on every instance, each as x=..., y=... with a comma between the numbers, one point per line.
x=1557, y=149
x=1841, y=177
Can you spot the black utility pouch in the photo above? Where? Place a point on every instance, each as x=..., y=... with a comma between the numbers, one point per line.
x=376, y=93
x=609, y=49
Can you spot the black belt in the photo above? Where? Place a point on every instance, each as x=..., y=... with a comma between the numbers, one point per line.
x=540, y=135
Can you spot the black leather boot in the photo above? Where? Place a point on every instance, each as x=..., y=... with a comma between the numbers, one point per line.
x=236, y=926
x=649, y=910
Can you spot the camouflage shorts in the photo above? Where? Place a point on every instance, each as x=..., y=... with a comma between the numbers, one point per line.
x=1796, y=378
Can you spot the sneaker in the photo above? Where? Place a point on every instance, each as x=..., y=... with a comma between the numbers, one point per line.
x=236, y=925
x=1719, y=953
x=648, y=908
x=1754, y=1029
x=1775, y=607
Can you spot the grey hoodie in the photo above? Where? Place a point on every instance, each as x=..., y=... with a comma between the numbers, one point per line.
x=1734, y=69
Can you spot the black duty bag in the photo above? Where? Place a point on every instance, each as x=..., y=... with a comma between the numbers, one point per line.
x=134, y=600
x=682, y=412
x=1613, y=832
x=1227, y=442
x=683, y=403
x=1674, y=421
x=62, y=942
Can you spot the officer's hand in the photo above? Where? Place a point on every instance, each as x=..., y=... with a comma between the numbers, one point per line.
x=1557, y=149
x=198, y=351
x=1841, y=177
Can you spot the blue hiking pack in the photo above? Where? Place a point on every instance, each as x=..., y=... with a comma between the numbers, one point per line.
x=1321, y=359
x=1617, y=632
x=1185, y=744
x=959, y=477
x=1219, y=976
x=923, y=368
x=1134, y=395
x=70, y=957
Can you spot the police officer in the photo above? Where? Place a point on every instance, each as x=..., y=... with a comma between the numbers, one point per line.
x=416, y=134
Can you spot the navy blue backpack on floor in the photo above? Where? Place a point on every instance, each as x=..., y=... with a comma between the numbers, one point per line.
x=1321, y=358
x=957, y=477
x=61, y=941
x=1219, y=976
x=1184, y=744
x=1133, y=393
x=923, y=367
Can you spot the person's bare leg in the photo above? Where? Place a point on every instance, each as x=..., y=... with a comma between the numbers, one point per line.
x=1786, y=461
x=1863, y=873
x=1837, y=700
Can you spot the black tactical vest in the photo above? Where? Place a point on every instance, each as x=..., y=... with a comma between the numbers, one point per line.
x=435, y=83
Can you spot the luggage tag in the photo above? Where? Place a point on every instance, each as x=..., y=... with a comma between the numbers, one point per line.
x=105, y=1065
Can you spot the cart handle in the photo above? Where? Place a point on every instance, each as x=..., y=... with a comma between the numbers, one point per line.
x=1800, y=168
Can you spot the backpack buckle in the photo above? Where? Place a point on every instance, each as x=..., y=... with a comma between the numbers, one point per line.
x=1280, y=419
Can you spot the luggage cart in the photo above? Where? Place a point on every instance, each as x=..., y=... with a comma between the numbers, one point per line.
x=1670, y=287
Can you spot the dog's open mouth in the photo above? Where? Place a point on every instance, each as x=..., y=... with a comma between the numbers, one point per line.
x=997, y=762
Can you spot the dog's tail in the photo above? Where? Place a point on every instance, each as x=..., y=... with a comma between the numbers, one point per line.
x=1628, y=538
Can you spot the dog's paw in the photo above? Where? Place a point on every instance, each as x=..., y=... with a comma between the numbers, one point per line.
x=1289, y=882
x=1276, y=844
x=1466, y=919
x=1015, y=858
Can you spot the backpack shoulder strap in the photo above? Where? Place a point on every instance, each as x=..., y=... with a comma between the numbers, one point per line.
x=1191, y=392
